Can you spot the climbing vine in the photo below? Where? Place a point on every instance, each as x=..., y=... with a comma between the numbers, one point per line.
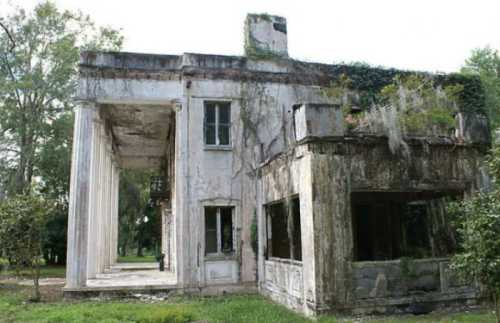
x=411, y=105
x=368, y=81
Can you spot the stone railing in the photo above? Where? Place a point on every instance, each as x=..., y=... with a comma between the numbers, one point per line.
x=405, y=277
x=284, y=281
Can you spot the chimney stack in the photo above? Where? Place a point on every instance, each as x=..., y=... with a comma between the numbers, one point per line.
x=265, y=36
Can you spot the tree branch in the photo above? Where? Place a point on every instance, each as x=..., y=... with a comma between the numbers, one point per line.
x=10, y=36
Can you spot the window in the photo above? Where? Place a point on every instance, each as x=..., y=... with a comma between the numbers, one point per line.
x=217, y=123
x=391, y=225
x=283, y=230
x=218, y=230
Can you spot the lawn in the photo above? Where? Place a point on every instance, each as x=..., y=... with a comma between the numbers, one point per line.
x=136, y=259
x=244, y=309
x=14, y=307
x=45, y=271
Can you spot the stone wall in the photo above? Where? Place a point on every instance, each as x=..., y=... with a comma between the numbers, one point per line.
x=403, y=277
x=379, y=286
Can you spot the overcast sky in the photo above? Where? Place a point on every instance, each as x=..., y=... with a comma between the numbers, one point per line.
x=432, y=35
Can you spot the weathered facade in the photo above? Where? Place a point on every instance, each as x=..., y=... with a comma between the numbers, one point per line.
x=267, y=187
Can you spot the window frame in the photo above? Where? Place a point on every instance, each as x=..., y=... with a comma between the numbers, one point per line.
x=219, y=228
x=287, y=205
x=217, y=124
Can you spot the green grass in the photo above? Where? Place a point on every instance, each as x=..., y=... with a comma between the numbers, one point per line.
x=45, y=272
x=136, y=259
x=233, y=309
x=13, y=309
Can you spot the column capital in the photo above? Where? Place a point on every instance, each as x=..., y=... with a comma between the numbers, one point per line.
x=86, y=104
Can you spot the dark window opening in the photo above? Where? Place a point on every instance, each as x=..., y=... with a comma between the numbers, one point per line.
x=296, y=235
x=217, y=123
x=211, y=230
x=218, y=230
x=391, y=225
x=226, y=220
x=284, y=230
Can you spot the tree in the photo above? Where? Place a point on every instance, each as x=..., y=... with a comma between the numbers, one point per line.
x=478, y=227
x=39, y=55
x=38, y=77
x=485, y=62
x=133, y=200
x=22, y=230
x=53, y=169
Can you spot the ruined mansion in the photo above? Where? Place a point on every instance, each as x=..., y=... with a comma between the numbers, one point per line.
x=271, y=181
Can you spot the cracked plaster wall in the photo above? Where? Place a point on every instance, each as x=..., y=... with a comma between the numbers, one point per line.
x=261, y=116
x=262, y=128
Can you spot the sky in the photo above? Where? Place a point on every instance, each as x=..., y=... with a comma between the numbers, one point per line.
x=427, y=35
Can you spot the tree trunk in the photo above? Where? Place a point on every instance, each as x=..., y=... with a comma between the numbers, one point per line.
x=496, y=305
x=123, y=249
x=26, y=162
x=36, y=281
x=139, y=248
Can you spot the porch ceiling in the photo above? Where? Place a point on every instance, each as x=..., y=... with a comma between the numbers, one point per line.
x=140, y=132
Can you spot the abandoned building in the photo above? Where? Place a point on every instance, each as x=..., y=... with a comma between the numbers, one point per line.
x=270, y=182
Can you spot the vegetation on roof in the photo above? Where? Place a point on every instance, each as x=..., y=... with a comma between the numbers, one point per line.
x=369, y=81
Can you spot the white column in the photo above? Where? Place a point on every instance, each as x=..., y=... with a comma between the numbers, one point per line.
x=116, y=214
x=99, y=214
x=92, y=268
x=107, y=209
x=182, y=198
x=79, y=201
x=113, y=229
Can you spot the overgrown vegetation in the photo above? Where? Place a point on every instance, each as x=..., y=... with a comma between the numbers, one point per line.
x=38, y=79
x=478, y=226
x=485, y=64
x=139, y=228
x=412, y=105
x=368, y=81
x=22, y=222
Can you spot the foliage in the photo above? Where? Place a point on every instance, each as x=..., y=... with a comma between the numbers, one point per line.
x=485, y=63
x=134, y=207
x=46, y=271
x=424, y=109
x=368, y=81
x=22, y=223
x=38, y=78
x=4, y=264
x=478, y=226
x=53, y=168
x=135, y=259
x=413, y=104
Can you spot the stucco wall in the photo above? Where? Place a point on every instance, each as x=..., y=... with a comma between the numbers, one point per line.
x=322, y=172
x=284, y=282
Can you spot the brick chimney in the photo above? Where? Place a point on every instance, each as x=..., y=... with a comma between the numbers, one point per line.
x=265, y=36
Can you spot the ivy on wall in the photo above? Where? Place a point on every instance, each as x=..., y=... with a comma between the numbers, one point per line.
x=369, y=81
x=412, y=104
